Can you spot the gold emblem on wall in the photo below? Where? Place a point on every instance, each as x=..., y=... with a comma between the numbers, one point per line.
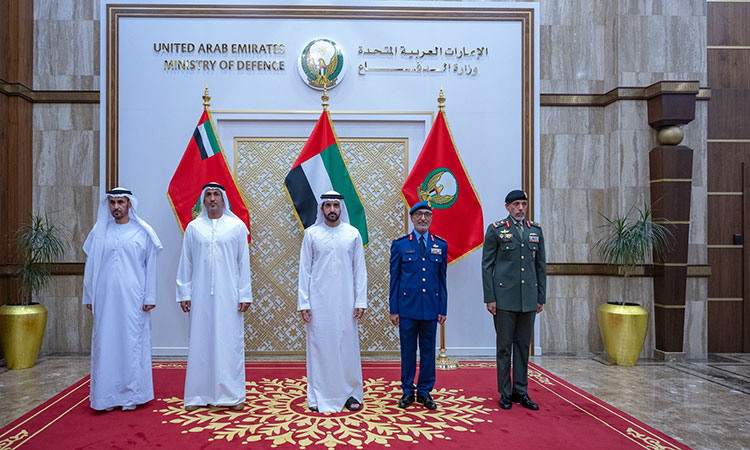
x=321, y=64
x=378, y=168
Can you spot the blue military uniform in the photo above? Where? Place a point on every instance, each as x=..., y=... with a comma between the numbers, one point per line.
x=418, y=294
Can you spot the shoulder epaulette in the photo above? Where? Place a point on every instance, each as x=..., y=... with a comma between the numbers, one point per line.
x=438, y=237
x=402, y=237
x=498, y=223
x=536, y=224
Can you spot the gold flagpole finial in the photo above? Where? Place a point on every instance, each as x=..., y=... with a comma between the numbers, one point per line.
x=206, y=99
x=324, y=97
x=441, y=100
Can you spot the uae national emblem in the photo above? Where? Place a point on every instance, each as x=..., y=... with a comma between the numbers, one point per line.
x=321, y=64
x=440, y=188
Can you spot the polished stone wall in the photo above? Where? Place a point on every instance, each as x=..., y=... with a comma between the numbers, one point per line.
x=66, y=153
x=593, y=159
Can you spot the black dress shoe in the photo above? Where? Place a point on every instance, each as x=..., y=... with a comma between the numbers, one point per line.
x=427, y=401
x=504, y=402
x=526, y=402
x=406, y=400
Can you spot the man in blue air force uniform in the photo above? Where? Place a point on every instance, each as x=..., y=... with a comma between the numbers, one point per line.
x=418, y=302
x=514, y=278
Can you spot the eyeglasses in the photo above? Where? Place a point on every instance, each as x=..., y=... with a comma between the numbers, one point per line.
x=424, y=214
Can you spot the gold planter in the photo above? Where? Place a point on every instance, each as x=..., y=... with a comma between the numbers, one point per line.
x=21, y=333
x=623, y=329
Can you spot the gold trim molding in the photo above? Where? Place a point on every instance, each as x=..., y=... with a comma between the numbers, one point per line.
x=32, y=96
x=673, y=180
x=62, y=269
x=627, y=93
x=599, y=269
x=553, y=269
x=662, y=306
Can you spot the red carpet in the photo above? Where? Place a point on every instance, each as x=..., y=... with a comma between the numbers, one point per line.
x=276, y=417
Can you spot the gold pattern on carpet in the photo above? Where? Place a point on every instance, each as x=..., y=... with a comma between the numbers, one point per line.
x=276, y=412
x=378, y=168
x=12, y=440
x=539, y=377
x=650, y=442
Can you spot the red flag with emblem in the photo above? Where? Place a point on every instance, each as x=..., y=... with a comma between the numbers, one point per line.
x=203, y=162
x=439, y=176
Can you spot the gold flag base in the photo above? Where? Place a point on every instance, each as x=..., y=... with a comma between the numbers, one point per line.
x=443, y=362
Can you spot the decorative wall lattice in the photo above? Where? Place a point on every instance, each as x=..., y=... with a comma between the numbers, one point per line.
x=378, y=168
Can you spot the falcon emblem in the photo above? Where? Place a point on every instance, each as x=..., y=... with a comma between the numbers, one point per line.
x=440, y=188
x=321, y=64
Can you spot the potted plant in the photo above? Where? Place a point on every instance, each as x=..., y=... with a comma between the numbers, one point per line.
x=22, y=325
x=628, y=242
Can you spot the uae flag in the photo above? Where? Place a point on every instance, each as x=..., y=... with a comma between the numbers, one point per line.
x=321, y=168
x=203, y=162
x=439, y=176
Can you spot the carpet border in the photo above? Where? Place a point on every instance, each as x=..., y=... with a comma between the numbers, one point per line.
x=664, y=441
x=45, y=406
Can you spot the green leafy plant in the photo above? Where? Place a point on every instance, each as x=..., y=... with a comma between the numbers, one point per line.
x=628, y=242
x=38, y=243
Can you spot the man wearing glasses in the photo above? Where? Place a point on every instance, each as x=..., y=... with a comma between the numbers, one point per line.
x=418, y=302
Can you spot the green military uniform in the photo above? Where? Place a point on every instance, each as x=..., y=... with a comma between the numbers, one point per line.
x=514, y=276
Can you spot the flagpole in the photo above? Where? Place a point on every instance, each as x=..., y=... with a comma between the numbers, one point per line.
x=443, y=362
x=206, y=99
x=324, y=97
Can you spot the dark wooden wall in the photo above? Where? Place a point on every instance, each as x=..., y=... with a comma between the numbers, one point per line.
x=728, y=176
x=16, y=155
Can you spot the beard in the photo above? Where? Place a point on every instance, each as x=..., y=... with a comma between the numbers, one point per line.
x=332, y=217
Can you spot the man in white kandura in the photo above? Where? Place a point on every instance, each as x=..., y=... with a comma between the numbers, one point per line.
x=213, y=285
x=119, y=287
x=332, y=297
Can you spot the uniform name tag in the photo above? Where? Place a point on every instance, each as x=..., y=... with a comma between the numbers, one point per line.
x=436, y=251
x=533, y=238
x=409, y=251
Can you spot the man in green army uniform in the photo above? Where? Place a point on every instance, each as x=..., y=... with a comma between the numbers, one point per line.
x=514, y=280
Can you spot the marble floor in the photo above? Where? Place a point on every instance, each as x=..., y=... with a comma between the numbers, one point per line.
x=704, y=404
